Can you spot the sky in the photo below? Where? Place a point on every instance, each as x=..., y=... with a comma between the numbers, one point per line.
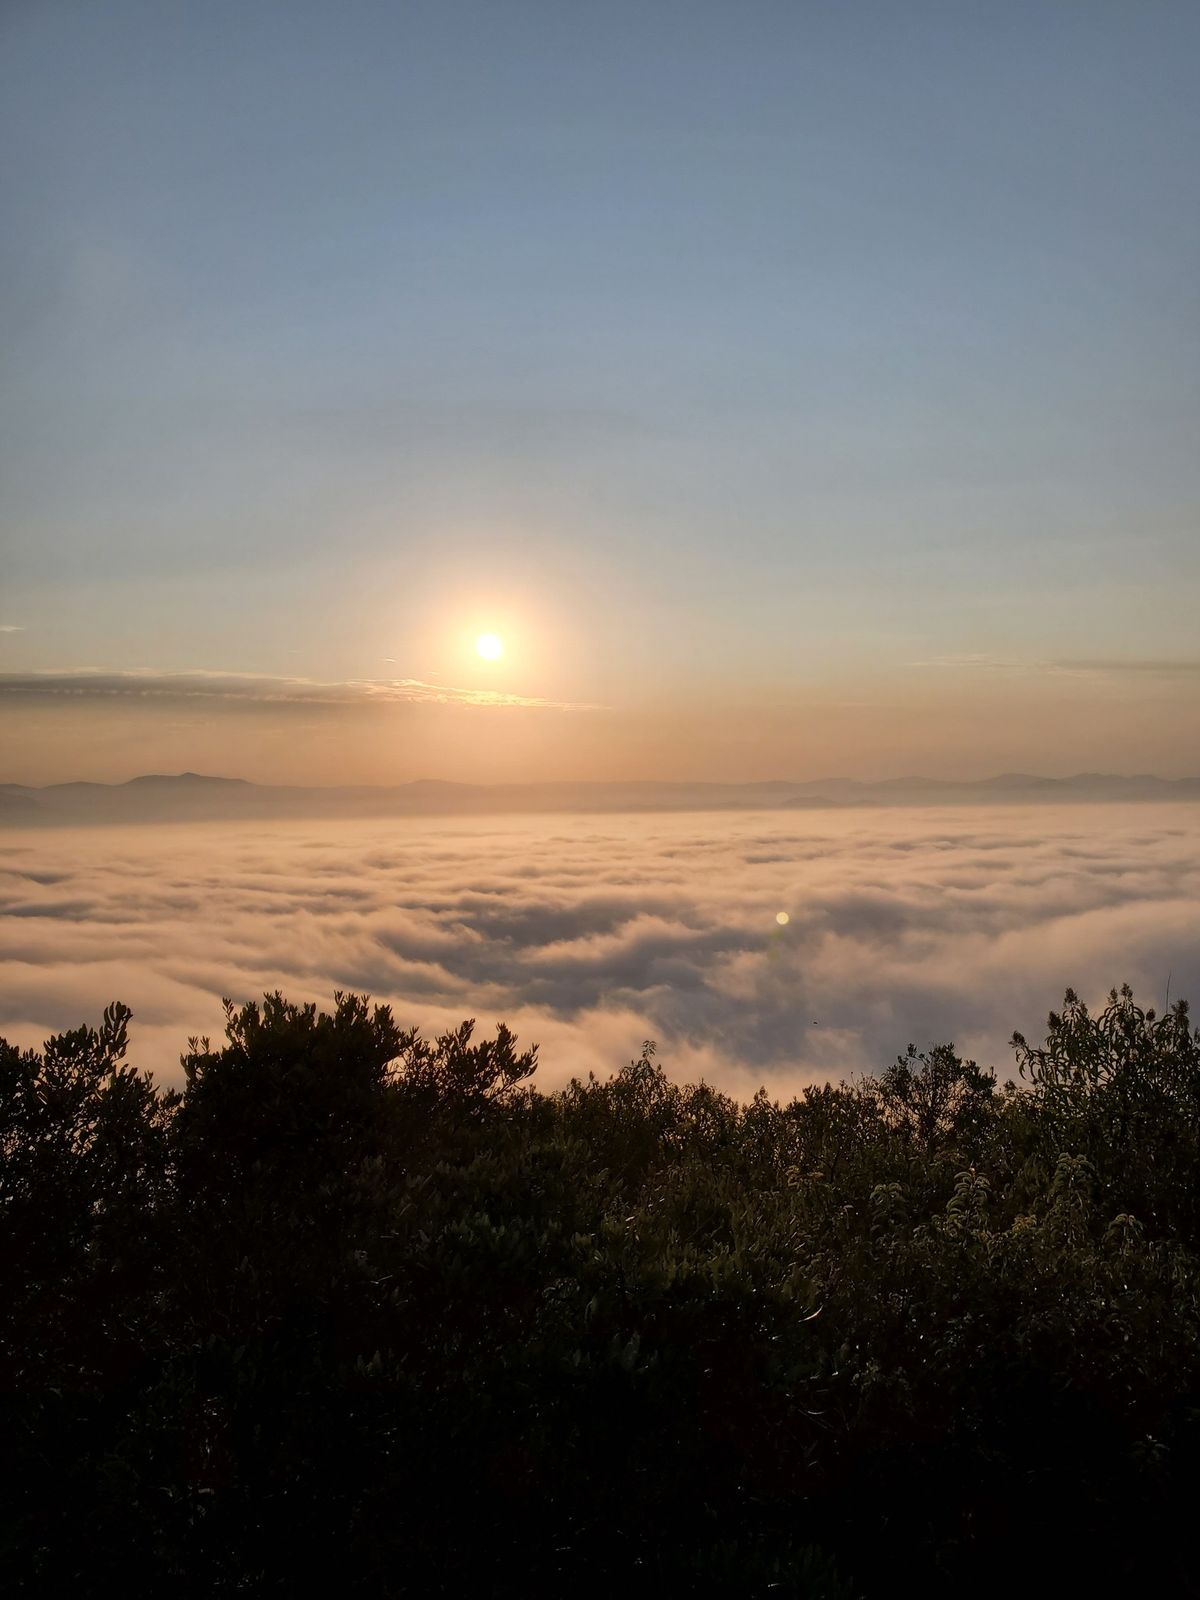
x=795, y=389
x=589, y=936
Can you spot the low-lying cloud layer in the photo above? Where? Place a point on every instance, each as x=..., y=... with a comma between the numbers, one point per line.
x=590, y=934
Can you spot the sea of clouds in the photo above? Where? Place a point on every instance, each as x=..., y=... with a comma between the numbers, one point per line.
x=590, y=934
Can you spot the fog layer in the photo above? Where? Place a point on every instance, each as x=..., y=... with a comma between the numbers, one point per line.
x=591, y=934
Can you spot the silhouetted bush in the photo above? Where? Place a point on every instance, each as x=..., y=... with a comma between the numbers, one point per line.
x=357, y=1313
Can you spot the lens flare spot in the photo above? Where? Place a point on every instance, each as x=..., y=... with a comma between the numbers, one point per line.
x=782, y=918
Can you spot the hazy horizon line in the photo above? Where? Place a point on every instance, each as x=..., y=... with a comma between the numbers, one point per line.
x=1011, y=776
x=192, y=797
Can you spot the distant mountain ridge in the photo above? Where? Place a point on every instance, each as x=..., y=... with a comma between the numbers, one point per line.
x=194, y=797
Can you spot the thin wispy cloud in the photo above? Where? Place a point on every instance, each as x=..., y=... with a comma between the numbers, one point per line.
x=90, y=684
x=990, y=663
x=1166, y=667
x=1161, y=668
x=413, y=689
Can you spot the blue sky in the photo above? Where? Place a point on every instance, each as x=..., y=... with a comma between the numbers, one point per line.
x=818, y=353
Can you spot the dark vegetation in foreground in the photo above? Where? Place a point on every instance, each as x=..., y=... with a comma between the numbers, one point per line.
x=362, y=1314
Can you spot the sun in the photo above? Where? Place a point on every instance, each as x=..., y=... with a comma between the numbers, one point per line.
x=490, y=646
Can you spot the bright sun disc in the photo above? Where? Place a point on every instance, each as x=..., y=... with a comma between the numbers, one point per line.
x=490, y=646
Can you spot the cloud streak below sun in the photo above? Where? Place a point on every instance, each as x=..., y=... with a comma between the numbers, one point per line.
x=592, y=934
x=86, y=684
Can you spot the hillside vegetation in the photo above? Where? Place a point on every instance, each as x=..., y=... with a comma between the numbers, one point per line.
x=361, y=1313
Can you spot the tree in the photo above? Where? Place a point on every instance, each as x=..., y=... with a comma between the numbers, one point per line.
x=1122, y=1088
x=935, y=1098
x=83, y=1159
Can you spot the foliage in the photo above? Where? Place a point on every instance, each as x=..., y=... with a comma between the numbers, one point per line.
x=365, y=1312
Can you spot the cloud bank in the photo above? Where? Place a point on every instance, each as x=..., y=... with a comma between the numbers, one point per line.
x=87, y=684
x=590, y=934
